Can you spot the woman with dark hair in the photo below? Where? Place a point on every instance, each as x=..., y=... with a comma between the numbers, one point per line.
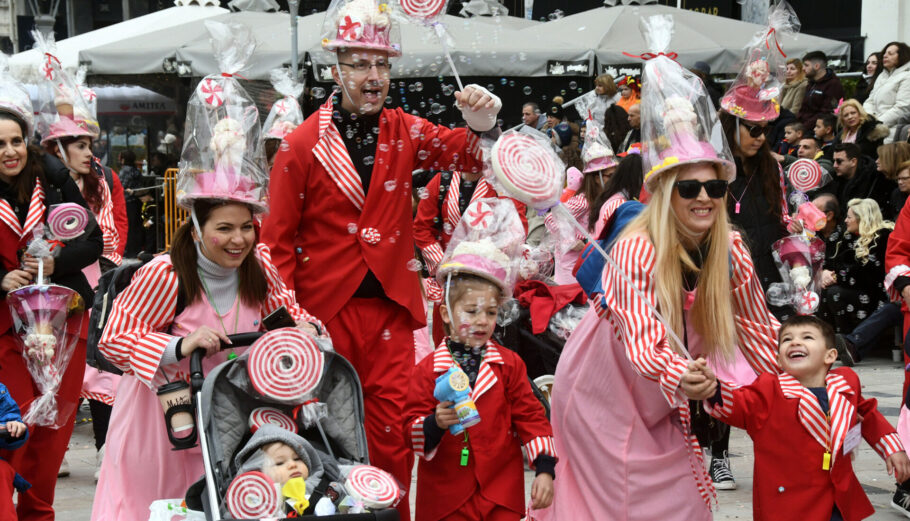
x=871, y=69
x=30, y=183
x=217, y=281
x=889, y=100
x=624, y=185
x=614, y=119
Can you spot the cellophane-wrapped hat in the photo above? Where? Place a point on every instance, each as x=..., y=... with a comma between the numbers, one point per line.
x=755, y=94
x=486, y=243
x=285, y=115
x=360, y=24
x=223, y=157
x=14, y=99
x=63, y=111
x=679, y=124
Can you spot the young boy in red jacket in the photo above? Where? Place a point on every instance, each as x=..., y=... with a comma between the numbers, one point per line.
x=805, y=423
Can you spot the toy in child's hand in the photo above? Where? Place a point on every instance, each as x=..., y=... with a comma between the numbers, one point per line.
x=454, y=386
x=812, y=218
x=574, y=177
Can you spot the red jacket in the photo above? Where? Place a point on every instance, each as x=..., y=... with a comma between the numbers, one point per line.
x=120, y=219
x=324, y=236
x=790, y=433
x=897, y=264
x=510, y=417
x=433, y=231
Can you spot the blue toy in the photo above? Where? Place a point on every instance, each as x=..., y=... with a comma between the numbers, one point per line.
x=454, y=386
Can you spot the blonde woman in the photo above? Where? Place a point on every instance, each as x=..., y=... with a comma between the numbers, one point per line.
x=854, y=276
x=855, y=125
x=794, y=90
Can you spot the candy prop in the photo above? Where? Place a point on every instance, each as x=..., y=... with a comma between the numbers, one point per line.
x=430, y=12
x=67, y=221
x=454, y=386
x=285, y=365
x=40, y=318
x=573, y=183
x=285, y=115
x=528, y=169
x=374, y=487
x=799, y=259
x=811, y=217
x=480, y=214
x=252, y=495
x=269, y=415
x=211, y=92
x=805, y=175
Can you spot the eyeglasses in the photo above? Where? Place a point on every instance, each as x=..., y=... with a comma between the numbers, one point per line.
x=756, y=130
x=382, y=66
x=903, y=178
x=689, y=189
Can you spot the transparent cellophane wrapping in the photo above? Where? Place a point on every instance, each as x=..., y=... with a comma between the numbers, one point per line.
x=360, y=24
x=223, y=156
x=799, y=259
x=47, y=322
x=60, y=96
x=679, y=124
x=88, y=94
x=487, y=243
x=13, y=96
x=381, y=490
x=596, y=144
x=755, y=93
x=535, y=161
x=286, y=114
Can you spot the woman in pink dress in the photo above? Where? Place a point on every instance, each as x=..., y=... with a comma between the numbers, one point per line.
x=620, y=407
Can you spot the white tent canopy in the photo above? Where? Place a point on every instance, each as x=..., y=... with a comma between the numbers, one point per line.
x=718, y=41
x=24, y=64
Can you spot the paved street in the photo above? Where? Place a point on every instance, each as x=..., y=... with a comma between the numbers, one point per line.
x=881, y=379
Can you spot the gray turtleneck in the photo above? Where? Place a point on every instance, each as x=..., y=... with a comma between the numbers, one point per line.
x=222, y=284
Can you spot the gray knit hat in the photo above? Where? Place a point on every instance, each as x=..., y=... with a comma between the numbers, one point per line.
x=251, y=457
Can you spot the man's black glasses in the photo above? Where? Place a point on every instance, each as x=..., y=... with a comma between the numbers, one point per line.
x=715, y=188
x=756, y=130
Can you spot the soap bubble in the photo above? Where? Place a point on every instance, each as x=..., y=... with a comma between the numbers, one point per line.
x=527, y=90
x=573, y=85
x=390, y=185
x=414, y=265
x=318, y=92
x=352, y=228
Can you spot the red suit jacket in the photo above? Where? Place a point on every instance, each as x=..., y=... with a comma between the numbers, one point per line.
x=510, y=416
x=897, y=264
x=790, y=433
x=433, y=230
x=324, y=234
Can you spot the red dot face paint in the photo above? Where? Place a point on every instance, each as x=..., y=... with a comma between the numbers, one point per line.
x=215, y=241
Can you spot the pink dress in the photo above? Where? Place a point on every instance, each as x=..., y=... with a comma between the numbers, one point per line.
x=565, y=260
x=631, y=459
x=139, y=466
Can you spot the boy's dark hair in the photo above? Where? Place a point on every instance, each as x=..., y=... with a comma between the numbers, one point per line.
x=829, y=120
x=796, y=126
x=809, y=320
x=817, y=57
x=851, y=149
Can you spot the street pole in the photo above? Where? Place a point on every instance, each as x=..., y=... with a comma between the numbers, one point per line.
x=292, y=4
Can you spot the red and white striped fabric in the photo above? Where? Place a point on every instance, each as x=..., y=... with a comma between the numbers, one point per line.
x=888, y=445
x=134, y=338
x=901, y=270
x=432, y=256
x=34, y=216
x=333, y=155
x=105, y=218
x=812, y=417
x=452, y=215
x=579, y=208
x=607, y=210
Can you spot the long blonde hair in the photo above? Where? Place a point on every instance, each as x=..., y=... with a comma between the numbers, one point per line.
x=870, y=220
x=863, y=115
x=712, y=315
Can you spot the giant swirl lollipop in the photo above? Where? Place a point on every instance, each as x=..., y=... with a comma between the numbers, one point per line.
x=805, y=175
x=429, y=12
x=252, y=495
x=374, y=487
x=285, y=365
x=67, y=221
x=530, y=172
x=269, y=415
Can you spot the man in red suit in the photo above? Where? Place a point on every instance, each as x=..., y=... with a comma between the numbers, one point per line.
x=340, y=226
x=805, y=466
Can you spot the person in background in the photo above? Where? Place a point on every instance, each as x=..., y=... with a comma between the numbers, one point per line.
x=615, y=119
x=793, y=133
x=899, y=195
x=834, y=225
x=714, y=90
x=634, y=134
x=858, y=177
x=794, y=89
x=555, y=114
x=857, y=126
x=871, y=69
x=531, y=117
x=823, y=90
x=824, y=132
x=889, y=100
x=629, y=91
x=131, y=179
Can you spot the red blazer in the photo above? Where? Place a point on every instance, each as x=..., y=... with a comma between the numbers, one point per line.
x=510, y=416
x=324, y=234
x=120, y=219
x=433, y=231
x=897, y=264
x=790, y=433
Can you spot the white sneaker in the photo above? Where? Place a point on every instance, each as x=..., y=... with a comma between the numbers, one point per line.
x=64, y=469
x=99, y=457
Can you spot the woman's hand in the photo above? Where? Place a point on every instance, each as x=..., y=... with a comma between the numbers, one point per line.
x=15, y=280
x=203, y=338
x=905, y=294
x=898, y=465
x=698, y=382
x=308, y=328
x=31, y=264
x=446, y=415
x=542, y=491
x=18, y=429
x=795, y=226
x=827, y=278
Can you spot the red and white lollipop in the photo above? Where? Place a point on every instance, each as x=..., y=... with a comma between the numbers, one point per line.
x=210, y=91
x=67, y=221
x=285, y=365
x=253, y=495
x=805, y=175
x=424, y=10
x=269, y=415
x=373, y=487
x=528, y=169
x=479, y=215
x=807, y=303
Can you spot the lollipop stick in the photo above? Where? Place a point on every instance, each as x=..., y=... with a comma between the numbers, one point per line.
x=40, y=279
x=440, y=32
x=566, y=215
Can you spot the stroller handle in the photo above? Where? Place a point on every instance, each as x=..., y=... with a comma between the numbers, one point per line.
x=237, y=340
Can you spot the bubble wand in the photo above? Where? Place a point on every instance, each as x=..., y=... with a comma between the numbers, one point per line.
x=428, y=12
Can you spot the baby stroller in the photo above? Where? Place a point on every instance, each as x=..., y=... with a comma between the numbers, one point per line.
x=225, y=398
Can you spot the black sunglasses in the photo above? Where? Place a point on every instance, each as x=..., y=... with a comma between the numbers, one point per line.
x=756, y=130
x=715, y=188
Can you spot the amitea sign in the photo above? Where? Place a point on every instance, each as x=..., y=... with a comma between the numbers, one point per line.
x=135, y=107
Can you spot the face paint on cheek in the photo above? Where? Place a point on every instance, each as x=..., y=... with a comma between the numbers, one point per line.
x=215, y=241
